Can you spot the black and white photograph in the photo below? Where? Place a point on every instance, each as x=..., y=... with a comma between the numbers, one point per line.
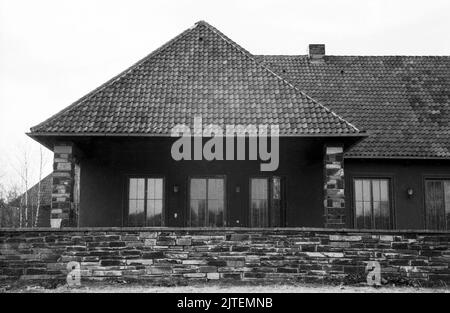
x=224, y=152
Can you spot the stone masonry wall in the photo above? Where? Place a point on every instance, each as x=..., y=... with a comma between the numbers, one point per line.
x=334, y=202
x=62, y=189
x=176, y=255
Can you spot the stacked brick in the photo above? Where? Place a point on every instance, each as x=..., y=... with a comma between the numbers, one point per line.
x=62, y=192
x=334, y=201
x=208, y=255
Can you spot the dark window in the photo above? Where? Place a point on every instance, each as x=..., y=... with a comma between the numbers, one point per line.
x=437, y=204
x=266, y=202
x=145, y=201
x=372, y=203
x=207, y=202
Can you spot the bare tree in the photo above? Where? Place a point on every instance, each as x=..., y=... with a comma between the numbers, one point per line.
x=27, y=162
x=38, y=204
x=9, y=215
x=24, y=172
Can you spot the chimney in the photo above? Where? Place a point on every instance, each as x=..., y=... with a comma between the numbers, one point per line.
x=316, y=52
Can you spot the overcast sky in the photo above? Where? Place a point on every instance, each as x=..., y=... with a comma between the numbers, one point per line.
x=54, y=52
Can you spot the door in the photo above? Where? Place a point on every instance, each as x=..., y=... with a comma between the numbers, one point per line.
x=267, y=201
x=206, y=202
x=145, y=201
x=437, y=204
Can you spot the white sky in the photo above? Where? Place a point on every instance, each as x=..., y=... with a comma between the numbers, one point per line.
x=54, y=52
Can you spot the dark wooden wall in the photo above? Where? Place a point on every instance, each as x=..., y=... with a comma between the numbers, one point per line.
x=105, y=168
x=409, y=212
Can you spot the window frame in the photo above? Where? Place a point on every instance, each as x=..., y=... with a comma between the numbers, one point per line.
x=425, y=178
x=188, y=198
x=391, y=182
x=127, y=198
x=283, y=200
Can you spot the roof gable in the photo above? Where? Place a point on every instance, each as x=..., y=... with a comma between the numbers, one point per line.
x=200, y=72
x=45, y=194
x=402, y=101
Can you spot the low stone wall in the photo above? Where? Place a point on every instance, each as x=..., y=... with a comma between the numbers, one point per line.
x=260, y=255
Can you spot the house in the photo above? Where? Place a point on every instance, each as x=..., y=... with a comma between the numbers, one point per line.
x=36, y=201
x=357, y=142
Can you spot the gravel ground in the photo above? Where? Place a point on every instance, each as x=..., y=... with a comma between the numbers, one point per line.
x=202, y=288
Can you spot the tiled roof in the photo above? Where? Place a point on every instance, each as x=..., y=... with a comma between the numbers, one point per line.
x=199, y=72
x=46, y=194
x=402, y=101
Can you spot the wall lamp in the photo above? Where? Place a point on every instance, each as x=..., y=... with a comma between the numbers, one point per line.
x=410, y=192
x=175, y=188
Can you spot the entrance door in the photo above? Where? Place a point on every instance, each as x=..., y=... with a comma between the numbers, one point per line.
x=267, y=202
x=437, y=204
x=206, y=202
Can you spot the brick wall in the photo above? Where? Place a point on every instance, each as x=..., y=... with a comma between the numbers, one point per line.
x=310, y=255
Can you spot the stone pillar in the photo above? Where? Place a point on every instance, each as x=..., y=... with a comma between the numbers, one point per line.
x=334, y=202
x=62, y=190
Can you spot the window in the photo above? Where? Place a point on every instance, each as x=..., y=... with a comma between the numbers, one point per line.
x=372, y=203
x=207, y=202
x=145, y=201
x=437, y=204
x=266, y=202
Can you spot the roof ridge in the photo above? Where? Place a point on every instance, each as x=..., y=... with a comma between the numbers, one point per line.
x=355, y=56
x=262, y=65
x=115, y=78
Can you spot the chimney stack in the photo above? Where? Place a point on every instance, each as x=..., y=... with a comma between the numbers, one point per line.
x=316, y=52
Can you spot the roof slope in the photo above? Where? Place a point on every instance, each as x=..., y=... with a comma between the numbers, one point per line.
x=402, y=101
x=46, y=194
x=199, y=72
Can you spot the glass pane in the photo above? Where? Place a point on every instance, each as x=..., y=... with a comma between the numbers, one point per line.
x=158, y=188
x=447, y=196
x=377, y=213
x=275, y=209
x=264, y=216
x=136, y=213
x=193, y=214
x=259, y=202
x=198, y=188
x=213, y=208
x=216, y=194
x=359, y=214
x=358, y=190
x=376, y=190
x=276, y=188
x=140, y=188
x=154, y=188
x=215, y=189
x=198, y=213
x=133, y=188
x=385, y=218
x=220, y=213
x=381, y=211
x=435, y=216
x=447, y=202
x=367, y=207
x=259, y=188
x=154, y=212
x=366, y=190
x=150, y=188
x=384, y=190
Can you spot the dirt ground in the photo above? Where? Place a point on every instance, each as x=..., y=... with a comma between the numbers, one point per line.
x=218, y=288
